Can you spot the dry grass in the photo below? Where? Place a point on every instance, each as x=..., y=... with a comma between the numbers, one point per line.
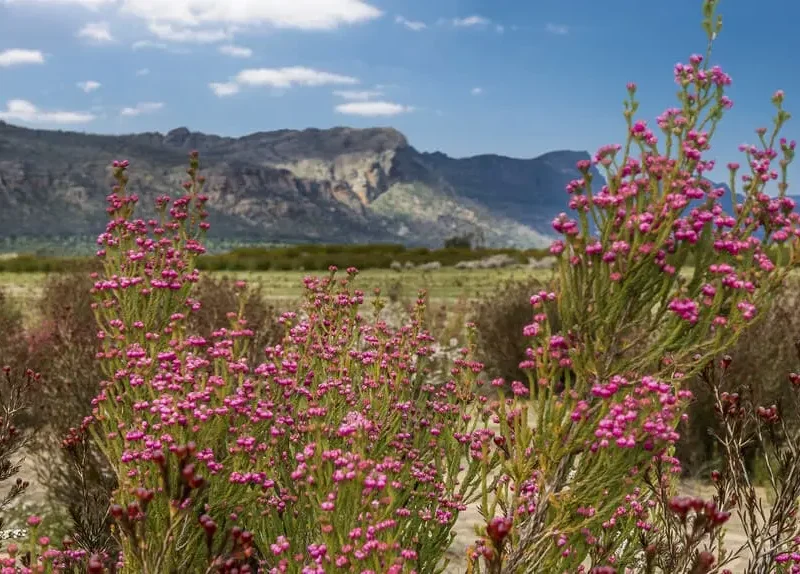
x=445, y=283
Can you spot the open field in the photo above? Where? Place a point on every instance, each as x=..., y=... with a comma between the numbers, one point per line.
x=442, y=284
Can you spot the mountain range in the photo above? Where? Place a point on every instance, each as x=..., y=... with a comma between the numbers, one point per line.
x=339, y=185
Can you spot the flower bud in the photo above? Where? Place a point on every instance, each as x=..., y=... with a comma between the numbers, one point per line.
x=498, y=528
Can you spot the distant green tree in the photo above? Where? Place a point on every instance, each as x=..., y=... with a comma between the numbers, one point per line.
x=463, y=241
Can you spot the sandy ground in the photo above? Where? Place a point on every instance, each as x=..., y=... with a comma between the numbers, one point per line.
x=465, y=535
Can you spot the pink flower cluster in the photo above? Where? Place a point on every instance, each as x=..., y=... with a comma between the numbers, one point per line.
x=656, y=278
x=655, y=207
x=337, y=451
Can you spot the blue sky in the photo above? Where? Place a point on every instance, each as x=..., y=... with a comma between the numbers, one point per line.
x=513, y=77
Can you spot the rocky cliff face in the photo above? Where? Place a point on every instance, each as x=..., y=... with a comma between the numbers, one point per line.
x=337, y=185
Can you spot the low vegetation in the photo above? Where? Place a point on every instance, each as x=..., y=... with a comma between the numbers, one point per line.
x=306, y=257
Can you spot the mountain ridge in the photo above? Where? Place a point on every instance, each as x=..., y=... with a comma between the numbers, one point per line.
x=335, y=185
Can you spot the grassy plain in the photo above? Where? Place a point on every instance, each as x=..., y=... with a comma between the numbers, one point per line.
x=442, y=284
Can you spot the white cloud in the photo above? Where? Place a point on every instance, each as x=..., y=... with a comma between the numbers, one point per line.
x=414, y=25
x=372, y=109
x=89, y=86
x=141, y=108
x=281, y=78
x=470, y=21
x=89, y=4
x=17, y=57
x=190, y=35
x=222, y=89
x=300, y=14
x=24, y=111
x=152, y=45
x=297, y=14
x=142, y=72
x=557, y=29
x=142, y=44
x=359, y=96
x=97, y=31
x=236, y=51
x=500, y=28
x=476, y=91
x=293, y=76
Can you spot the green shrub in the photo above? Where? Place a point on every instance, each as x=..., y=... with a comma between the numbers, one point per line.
x=761, y=361
x=308, y=257
x=500, y=318
x=12, y=333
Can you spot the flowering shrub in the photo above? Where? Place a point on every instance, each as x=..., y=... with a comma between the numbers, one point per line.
x=583, y=465
x=337, y=453
x=341, y=451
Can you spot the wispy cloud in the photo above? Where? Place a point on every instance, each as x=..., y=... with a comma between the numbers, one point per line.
x=141, y=108
x=470, y=21
x=359, y=96
x=97, y=32
x=143, y=44
x=152, y=45
x=223, y=89
x=372, y=109
x=236, y=51
x=142, y=71
x=558, y=29
x=293, y=76
x=180, y=34
x=89, y=86
x=476, y=91
x=414, y=25
x=24, y=111
x=17, y=57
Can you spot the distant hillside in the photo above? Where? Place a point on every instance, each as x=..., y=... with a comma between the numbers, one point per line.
x=338, y=185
